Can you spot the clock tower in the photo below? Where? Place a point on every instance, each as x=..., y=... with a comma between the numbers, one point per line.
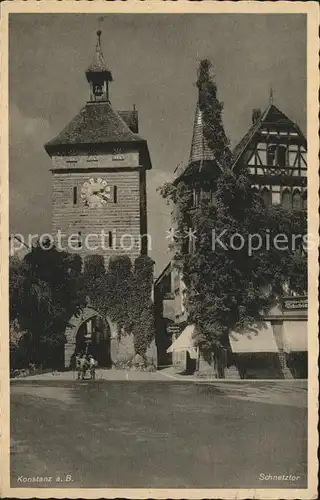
x=99, y=165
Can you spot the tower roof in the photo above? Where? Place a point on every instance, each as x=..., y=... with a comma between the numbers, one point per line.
x=201, y=155
x=200, y=150
x=98, y=64
x=96, y=124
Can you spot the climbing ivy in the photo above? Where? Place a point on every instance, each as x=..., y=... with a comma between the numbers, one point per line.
x=123, y=293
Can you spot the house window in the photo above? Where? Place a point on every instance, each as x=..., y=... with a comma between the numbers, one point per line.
x=271, y=155
x=281, y=156
x=296, y=200
x=75, y=195
x=266, y=196
x=115, y=194
x=286, y=199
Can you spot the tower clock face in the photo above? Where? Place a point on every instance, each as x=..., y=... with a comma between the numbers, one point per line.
x=95, y=192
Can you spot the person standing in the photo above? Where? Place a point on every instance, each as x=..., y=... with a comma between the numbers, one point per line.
x=82, y=367
x=92, y=367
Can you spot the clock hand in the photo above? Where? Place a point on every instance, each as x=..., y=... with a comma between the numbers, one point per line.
x=103, y=196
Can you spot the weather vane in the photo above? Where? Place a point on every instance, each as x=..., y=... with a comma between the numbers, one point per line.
x=271, y=95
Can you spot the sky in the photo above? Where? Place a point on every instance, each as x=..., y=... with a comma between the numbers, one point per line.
x=154, y=60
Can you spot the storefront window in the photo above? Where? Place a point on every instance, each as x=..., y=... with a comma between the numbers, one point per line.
x=266, y=196
x=286, y=199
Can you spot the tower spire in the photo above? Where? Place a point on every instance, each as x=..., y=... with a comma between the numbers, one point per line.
x=98, y=74
x=271, y=96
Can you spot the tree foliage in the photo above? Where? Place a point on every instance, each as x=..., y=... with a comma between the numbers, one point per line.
x=45, y=293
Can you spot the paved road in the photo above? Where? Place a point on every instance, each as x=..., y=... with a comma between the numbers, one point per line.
x=156, y=434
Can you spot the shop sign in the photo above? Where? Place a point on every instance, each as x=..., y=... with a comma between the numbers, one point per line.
x=295, y=304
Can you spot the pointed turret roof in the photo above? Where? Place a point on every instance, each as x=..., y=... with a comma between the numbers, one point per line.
x=98, y=64
x=200, y=150
x=201, y=155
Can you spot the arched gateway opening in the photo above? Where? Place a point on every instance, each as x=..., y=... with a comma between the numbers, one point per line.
x=90, y=333
x=93, y=337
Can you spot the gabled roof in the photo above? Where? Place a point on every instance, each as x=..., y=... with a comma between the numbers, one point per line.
x=271, y=116
x=96, y=123
x=131, y=119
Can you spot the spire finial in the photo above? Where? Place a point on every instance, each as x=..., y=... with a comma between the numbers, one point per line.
x=271, y=95
x=98, y=74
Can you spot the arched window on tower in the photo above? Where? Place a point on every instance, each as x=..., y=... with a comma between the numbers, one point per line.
x=286, y=199
x=296, y=200
x=266, y=196
x=305, y=200
x=115, y=194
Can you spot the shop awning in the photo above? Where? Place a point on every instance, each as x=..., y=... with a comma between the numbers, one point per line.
x=260, y=340
x=184, y=342
x=295, y=336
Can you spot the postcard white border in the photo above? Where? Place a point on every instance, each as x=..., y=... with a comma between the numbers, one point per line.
x=173, y=7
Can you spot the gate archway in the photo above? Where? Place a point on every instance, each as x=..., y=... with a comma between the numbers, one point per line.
x=93, y=337
x=90, y=332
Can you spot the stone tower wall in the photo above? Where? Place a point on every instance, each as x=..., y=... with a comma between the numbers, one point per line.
x=125, y=215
